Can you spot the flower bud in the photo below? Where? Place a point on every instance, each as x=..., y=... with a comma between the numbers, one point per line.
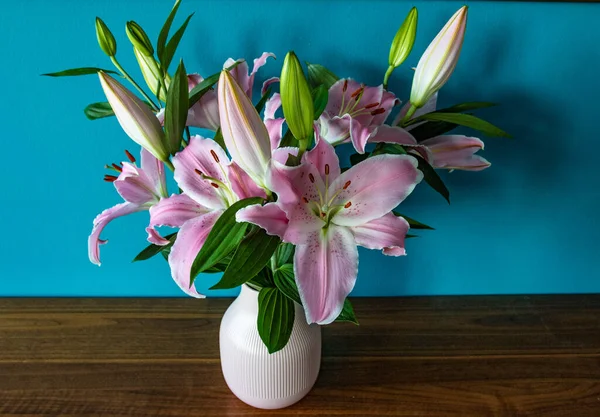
x=134, y=116
x=139, y=39
x=404, y=40
x=439, y=60
x=296, y=99
x=151, y=74
x=106, y=40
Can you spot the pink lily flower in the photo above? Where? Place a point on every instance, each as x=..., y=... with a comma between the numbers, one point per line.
x=326, y=214
x=442, y=152
x=354, y=112
x=210, y=183
x=205, y=113
x=456, y=152
x=141, y=188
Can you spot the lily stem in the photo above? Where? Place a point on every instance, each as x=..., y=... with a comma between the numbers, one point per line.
x=126, y=75
x=408, y=115
x=386, y=77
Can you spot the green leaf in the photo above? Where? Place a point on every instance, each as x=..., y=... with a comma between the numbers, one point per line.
x=275, y=318
x=98, y=110
x=319, y=75
x=320, y=96
x=263, y=100
x=347, y=313
x=79, y=71
x=252, y=254
x=462, y=107
x=467, y=120
x=414, y=224
x=219, y=138
x=222, y=239
x=176, y=109
x=206, y=85
x=164, y=32
x=357, y=158
x=410, y=236
x=284, y=254
x=388, y=148
x=432, y=178
x=429, y=130
x=288, y=140
x=152, y=250
x=284, y=280
x=263, y=279
x=169, y=52
x=220, y=266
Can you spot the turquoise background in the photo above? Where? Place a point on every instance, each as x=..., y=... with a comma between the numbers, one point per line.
x=529, y=224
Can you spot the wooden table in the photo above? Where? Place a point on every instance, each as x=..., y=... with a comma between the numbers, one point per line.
x=429, y=356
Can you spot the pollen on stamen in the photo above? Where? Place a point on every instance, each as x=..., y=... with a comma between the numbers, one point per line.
x=117, y=168
x=357, y=92
x=347, y=184
x=378, y=111
x=370, y=106
x=311, y=177
x=130, y=156
x=110, y=178
x=305, y=200
x=348, y=204
x=345, y=86
x=214, y=185
x=197, y=171
x=326, y=169
x=214, y=155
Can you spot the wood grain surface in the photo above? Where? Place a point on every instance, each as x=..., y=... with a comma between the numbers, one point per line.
x=422, y=356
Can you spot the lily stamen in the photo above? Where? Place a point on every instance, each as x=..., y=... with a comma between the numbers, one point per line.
x=130, y=156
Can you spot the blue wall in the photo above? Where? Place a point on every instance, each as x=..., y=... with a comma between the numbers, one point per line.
x=529, y=224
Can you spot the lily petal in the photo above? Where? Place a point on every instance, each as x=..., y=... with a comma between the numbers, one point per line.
x=324, y=158
x=100, y=223
x=325, y=269
x=244, y=133
x=360, y=134
x=205, y=113
x=134, y=185
x=269, y=217
x=207, y=157
x=456, y=152
x=400, y=136
x=387, y=233
x=334, y=130
x=190, y=239
x=173, y=211
x=374, y=187
x=155, y=170
x=242, y=184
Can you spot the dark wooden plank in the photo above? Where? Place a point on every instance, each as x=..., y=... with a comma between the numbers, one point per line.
x=422, y=356
x=78, y=329
x=563, y=386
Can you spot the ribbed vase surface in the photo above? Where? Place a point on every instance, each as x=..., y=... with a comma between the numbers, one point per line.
x=256, y=377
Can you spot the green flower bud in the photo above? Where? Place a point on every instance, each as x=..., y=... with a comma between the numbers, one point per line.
x=404, y=40
x=152, y=74
x=296, y=99
x=106, y=40
x=139, y=39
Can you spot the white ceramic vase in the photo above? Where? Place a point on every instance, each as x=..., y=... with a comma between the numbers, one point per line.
x=256, y=377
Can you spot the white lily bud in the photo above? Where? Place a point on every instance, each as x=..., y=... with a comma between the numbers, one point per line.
x=135, y=117
x=439, y=60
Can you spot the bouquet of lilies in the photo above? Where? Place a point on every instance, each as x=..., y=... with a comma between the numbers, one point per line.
x=265, y=200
